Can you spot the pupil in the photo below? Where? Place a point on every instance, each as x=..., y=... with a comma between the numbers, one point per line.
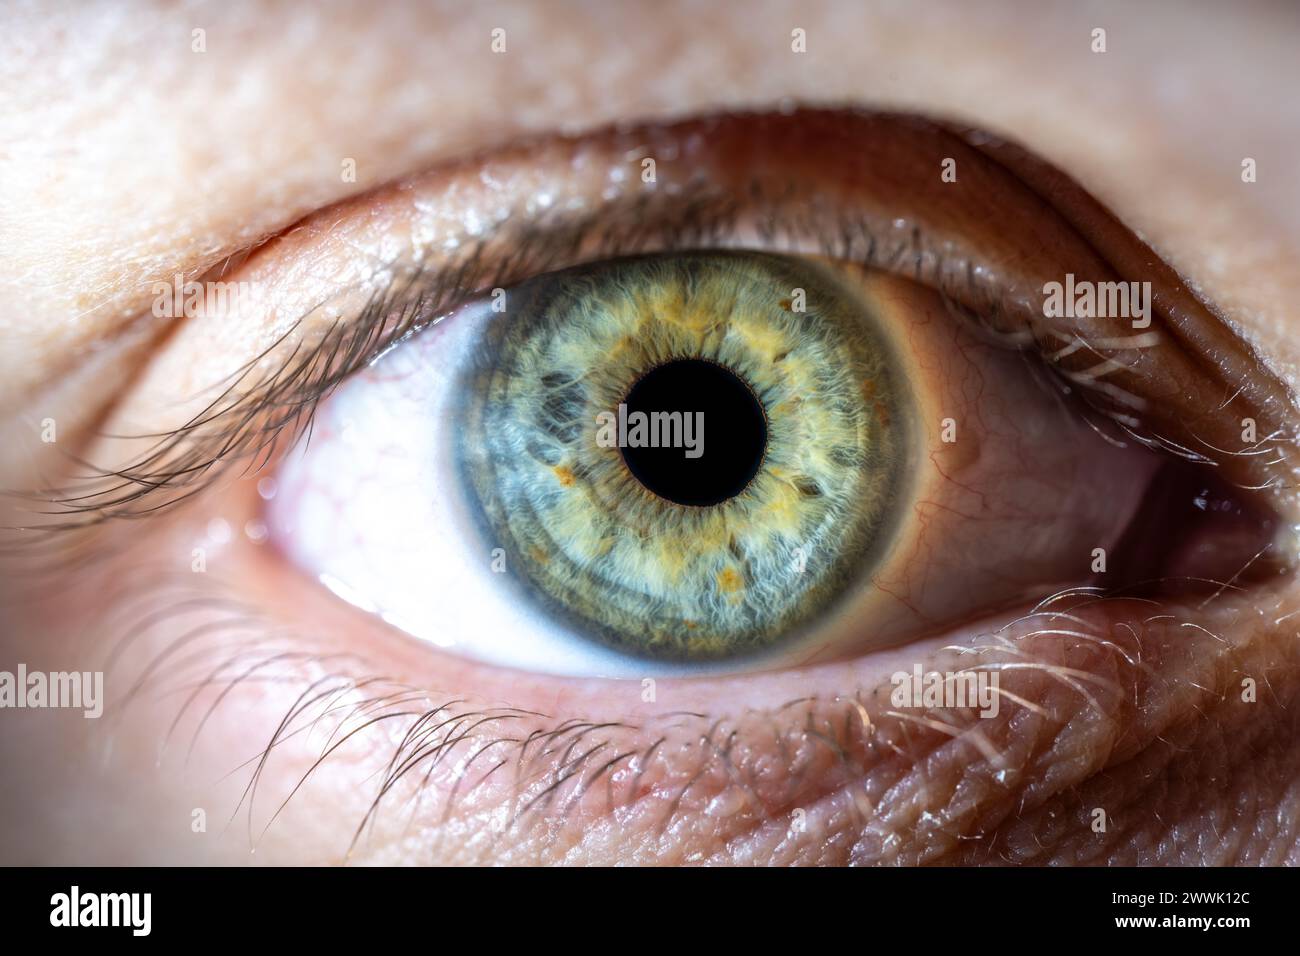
x=728, y=448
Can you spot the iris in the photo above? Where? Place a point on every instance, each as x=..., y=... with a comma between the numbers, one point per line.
x=802, y=447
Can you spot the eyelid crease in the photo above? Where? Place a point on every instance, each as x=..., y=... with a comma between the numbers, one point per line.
x=858, y=186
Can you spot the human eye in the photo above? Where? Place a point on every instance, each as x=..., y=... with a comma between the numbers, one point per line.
x=323, y=356
x=878, y=421
x=849, y=466
x=944, y=465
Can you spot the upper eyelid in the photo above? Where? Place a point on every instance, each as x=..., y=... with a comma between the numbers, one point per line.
x=684, y=210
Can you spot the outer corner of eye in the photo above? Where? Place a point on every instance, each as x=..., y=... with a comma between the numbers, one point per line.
x=695, y=462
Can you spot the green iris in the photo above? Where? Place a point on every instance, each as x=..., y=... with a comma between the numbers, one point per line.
x=620, y=559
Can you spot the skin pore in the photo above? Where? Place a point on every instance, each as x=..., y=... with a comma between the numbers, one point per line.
x=127, y=157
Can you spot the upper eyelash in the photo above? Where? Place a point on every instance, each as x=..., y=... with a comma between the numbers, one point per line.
x=249, y=426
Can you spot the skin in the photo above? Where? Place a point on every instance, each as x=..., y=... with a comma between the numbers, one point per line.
x=128, y=158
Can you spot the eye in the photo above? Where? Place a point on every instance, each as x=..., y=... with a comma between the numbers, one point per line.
x=693, y=458
x=714, y=460
x=585, y=438
x=927, y=461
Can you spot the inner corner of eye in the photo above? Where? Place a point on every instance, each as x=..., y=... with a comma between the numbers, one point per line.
x=715, y=460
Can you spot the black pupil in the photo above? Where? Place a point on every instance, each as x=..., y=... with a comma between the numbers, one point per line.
x=732, y=441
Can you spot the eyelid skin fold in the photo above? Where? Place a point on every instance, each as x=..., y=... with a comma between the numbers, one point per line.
x=859, y=186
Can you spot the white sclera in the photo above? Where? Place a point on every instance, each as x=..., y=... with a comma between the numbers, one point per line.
x=374, y=508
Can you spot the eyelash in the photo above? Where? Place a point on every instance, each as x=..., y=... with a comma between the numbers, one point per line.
x=278, y=409
x=249, y=426
x=553, y=767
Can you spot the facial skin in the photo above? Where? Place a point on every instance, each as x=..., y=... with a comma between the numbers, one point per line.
x=127, y=158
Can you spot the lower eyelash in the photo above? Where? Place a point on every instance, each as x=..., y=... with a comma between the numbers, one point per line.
x=465, y=770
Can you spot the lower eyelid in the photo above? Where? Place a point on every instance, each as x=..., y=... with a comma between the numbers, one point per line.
x=813, y=766
x=535, y=768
